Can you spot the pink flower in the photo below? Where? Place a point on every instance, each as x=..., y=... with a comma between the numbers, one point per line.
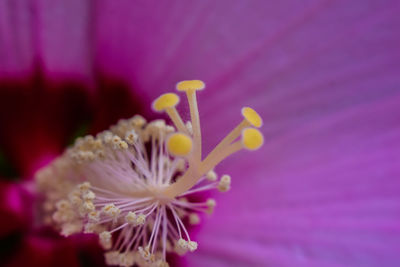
x=324, y=190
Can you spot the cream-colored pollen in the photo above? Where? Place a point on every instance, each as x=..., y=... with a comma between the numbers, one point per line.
x=94, y=216
x=131, y=218
x=88, y=206
x=131, y=137
x=105, y=240
x=192, y=246
x=123, y=145
x=126, y=259
x=211, y=203
x=84, y=187
x=183, y=244
x=89, y=195
x=145, y=253
x=75, y=200
x=111, y=210
x=225, y=183
x=140, y=220
x=112, y=257
x=212, y=176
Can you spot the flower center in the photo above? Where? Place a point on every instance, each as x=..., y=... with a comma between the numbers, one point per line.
x=133, y=185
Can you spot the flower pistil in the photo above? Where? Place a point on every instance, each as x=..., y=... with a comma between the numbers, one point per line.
x=132, y=184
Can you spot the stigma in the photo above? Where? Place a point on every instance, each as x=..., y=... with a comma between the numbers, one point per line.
x=132, y=185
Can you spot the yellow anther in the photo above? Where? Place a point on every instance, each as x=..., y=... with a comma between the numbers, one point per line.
x=252, y=117
x=179, y=144
x=252, y=139
x=165, y=101
x=190, y=85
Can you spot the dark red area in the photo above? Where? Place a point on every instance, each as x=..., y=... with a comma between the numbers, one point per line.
x=38, y=118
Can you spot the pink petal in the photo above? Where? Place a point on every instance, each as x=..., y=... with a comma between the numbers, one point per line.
x=325, y=194
x=15, y=208
x=39, y=118
x=16, y=42
x=44, y=247
x=300, y=66
x=53, y=34
x=322, y=74
x=270, y=49
x=41, y=251
x=316, y=65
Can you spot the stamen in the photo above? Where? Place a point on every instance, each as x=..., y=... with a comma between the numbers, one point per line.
x=193, y=174
x=252, y=139
x=190, y=87
x=251, y=118
x=211, y=203
x=211, y=176
x=132, y=185
x=167, y=103
x=225, y=183
x=105, y=240
x=192, y=246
